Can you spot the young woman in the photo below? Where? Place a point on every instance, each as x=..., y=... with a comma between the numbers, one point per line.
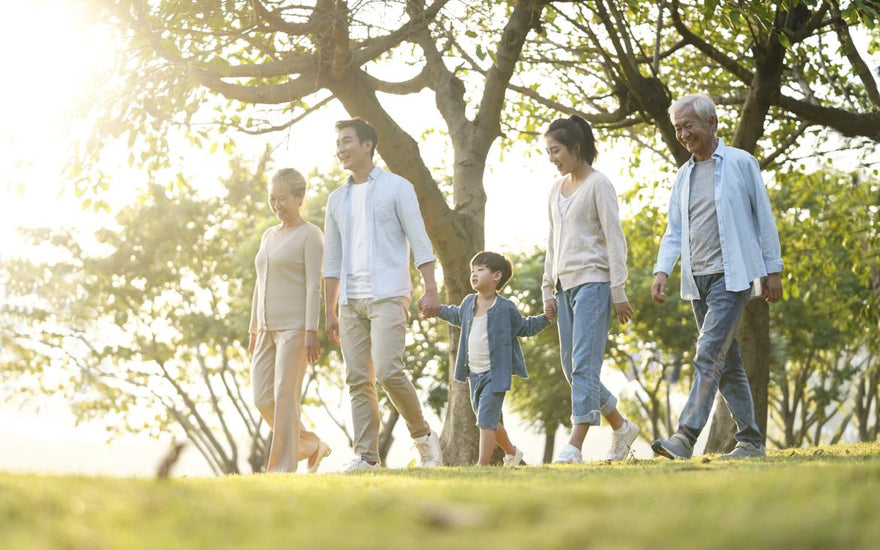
x=584, y=276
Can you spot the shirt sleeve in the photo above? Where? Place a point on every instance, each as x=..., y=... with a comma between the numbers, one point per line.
x=615, y=241
x=314, y=251
x=670, y=245
x=413, y=225
x=332, y=242
x=547, y=282
x=771, y=250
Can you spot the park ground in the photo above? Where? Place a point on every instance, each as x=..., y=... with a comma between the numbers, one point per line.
x=816, y=498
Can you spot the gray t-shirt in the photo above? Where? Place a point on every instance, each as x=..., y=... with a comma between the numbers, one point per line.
x=705, y=242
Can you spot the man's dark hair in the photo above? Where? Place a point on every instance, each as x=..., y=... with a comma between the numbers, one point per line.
x=362, y=128
x=495, y=262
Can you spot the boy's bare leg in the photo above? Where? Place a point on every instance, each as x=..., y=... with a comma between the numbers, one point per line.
x=504, y=441
x=488, y=439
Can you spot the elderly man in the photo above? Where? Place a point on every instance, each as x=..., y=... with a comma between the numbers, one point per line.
x=721, y=224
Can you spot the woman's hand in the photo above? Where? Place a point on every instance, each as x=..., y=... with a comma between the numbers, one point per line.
x=313, y=346
x=550, y=309
x=624, y=312
x=253, y=343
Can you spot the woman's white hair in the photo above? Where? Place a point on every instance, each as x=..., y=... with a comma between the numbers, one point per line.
x=292, y=180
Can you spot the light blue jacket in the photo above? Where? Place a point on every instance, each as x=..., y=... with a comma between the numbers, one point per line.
x=394, y=215
x=504, y=325
x=749, y=240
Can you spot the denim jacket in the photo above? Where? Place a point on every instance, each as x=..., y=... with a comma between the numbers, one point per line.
x=504, y=325
x=394, y=215
x=749, y=240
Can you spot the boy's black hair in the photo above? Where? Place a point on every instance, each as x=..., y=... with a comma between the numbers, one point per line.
x=495, y=262
x=362, y=129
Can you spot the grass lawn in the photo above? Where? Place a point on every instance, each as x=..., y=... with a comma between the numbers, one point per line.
x=813, y=498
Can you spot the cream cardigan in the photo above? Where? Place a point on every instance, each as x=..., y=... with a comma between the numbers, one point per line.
x=587, y=244
x=288, y=290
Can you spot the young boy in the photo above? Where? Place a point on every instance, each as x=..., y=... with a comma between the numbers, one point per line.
x=490, y=325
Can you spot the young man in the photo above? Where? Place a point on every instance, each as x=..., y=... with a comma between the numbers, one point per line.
x=370, y=224
x=721, y=224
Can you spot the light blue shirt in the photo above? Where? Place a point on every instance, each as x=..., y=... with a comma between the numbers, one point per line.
x=749, y=240
x=393, y=213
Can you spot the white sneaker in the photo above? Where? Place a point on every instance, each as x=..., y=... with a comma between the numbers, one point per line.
x=359, y=465
x=569, y=455
x=515, y=459
x=621, y=442
x=429, y=450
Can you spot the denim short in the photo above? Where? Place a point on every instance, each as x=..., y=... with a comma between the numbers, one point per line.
x=486, y=403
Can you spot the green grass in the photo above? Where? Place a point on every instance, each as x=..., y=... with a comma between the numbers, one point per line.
x=825, y=498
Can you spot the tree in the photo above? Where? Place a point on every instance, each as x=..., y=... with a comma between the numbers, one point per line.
x=292, y=58
x=786, y=76
x=145, y=327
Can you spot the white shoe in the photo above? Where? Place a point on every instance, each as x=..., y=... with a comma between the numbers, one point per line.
x=359, y=465
x=515, y=459
x=621, y=442
x=429, y=450
x=569, y=455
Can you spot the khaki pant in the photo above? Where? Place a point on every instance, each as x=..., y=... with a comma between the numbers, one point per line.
x=373, y=335
x=279, y=365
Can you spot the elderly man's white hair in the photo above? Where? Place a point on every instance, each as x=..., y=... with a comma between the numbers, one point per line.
x=703, y=106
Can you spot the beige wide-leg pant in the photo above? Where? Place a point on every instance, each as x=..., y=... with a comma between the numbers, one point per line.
x=278, y=367
x=373, y=335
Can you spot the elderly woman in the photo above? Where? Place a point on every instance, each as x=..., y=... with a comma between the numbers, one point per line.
x=284, y=323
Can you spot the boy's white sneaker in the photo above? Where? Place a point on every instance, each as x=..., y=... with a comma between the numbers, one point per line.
x=515, y=459
x=621, y=442
x=569, y=455
x=429, y=450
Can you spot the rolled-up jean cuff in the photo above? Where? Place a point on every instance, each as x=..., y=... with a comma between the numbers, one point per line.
x=592, y=419
x=609, y=406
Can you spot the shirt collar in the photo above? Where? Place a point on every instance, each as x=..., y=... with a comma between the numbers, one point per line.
x=717, y=154
x=374, y=173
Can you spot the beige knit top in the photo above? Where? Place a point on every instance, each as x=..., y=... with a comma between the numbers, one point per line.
x=587, y=244
x=288, y=291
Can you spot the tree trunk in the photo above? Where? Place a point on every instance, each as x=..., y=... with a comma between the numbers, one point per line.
x=754, y=342
x=549, y=442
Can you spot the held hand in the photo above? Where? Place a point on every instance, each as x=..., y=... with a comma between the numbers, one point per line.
x=313, y=346
x=773, y=288
x=658, y=289
x=550, y=309
x=333, y=328
x=624, y=312
x=429, y=304
x=253, y=343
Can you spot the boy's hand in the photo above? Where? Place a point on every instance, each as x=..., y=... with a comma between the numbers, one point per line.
x=624, y=312
x=550, y=309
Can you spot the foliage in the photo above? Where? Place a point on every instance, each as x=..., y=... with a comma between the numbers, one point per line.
x=147, y=327
x=824, y=498
x=825, y=331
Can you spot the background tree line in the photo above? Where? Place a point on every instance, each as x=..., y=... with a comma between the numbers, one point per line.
x=790, y=84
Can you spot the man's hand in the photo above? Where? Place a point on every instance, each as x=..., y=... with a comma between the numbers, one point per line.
x=429, y=304
x=550, y=309
x=658, y=289
x=333, y=327
x=773, y=288
x=624, y=312
x=313, y=346
x=253, y=343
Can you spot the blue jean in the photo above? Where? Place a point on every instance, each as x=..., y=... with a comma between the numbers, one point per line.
x=584, y=315
x=485, y=402
x=718, y=364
